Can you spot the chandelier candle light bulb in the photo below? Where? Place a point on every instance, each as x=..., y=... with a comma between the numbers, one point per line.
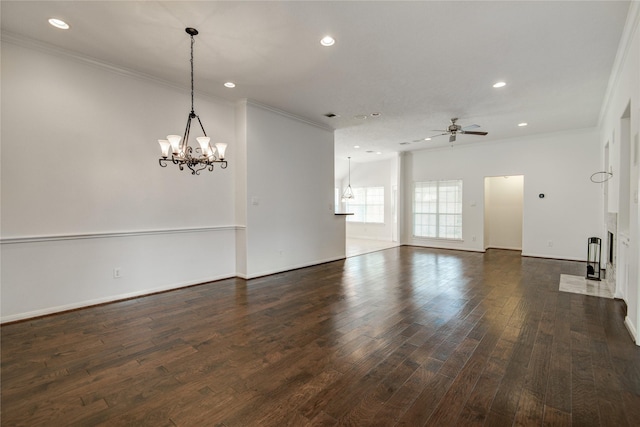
x=164, y=147
x=204, y=144
x=203, y=157
x=174, y=141
x=222, y=148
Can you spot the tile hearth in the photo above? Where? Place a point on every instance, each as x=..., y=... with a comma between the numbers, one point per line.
x=580, y=285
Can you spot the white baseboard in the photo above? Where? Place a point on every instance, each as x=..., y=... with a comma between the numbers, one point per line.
x=508, y=248
x=560, y=257
x=98, y=301
x=141, y=293
x=632, y=330
x=288, y=268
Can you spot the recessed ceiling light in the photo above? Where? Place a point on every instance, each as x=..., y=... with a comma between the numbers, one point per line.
x=375, y=114
x=361, y=117
x=499, y=84
x=427, y=139
x=230, y=85
x=59, y=23
x=356, y=146
x=369, y=151
x=523, y=124
x=405, y=143
x=327, y=41
x=378, y=152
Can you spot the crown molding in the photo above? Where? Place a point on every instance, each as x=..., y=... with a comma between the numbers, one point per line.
x=590, y=131
x=630, y=28
x=284, y=113
x=47, y=48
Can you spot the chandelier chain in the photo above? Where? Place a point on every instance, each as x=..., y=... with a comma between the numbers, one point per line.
x=192, y=41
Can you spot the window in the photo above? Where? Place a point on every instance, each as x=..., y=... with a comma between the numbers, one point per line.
x=367, y=205
x=437, y=209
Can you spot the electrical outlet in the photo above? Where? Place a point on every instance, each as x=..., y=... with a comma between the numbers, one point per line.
x=550, y=243
x=473, y=238
x=117, y=273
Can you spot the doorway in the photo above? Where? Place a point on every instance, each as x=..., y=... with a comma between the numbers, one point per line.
x=503, y=199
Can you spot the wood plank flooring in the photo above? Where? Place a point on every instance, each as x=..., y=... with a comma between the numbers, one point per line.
x=402, y=337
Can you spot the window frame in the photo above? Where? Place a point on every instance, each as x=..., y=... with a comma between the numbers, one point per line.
x=361, y=215
x=455, y=218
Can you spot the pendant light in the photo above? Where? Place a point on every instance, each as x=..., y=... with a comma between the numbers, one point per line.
x=202, y=157
x=348, y=192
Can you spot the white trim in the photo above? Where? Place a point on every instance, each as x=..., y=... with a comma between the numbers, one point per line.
x=289, y=268
x=29, y=43
x=436, y=239
x=436, y=246
x=560, y=257
x=109, y=299
x=508, y=248
x=630, y=27
x=521, y=139
x=102, y=235
x=285, y=114
x=631, y=329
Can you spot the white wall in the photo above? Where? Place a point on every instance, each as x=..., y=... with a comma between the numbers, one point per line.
x=241, y=188
x=83, y=193
x=558, y=165
x=290, y=193
x=382, y=173
x=503, y=212
x=624, y=90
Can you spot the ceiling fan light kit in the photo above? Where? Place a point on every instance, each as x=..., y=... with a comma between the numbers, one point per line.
x=182, y=154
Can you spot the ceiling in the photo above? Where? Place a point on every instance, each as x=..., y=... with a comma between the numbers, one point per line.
x=416, y=63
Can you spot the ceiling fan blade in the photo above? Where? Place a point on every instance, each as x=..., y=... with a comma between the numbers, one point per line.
x=452, y=138
x=439, y=130
x=474, y=132
x=439, y=134
x=474, y=126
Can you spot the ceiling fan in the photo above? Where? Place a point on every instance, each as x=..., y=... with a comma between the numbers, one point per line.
x=453, y=129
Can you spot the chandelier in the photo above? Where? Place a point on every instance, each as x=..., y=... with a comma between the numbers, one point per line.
x=203, y=157
x=348, y=192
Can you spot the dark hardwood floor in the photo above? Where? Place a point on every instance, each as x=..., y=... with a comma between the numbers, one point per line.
x=402, y=337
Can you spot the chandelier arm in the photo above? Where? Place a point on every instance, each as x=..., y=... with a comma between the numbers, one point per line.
x=185, y=139
x=197, y=170
x=223, y=164
x=201, y=127
x=163, y=165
